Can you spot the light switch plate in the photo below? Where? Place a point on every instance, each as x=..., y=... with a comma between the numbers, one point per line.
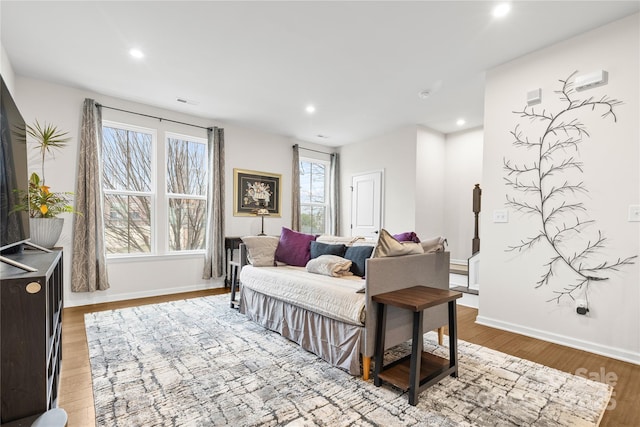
x=634, y=213
x=501, y=215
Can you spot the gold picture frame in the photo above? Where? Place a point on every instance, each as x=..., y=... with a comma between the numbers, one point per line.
x=250, y=188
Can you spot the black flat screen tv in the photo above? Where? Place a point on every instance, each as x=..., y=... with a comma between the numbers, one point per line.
x=14, y=175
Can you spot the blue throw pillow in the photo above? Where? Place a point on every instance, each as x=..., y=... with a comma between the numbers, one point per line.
x=318, y=249
x=358, y=256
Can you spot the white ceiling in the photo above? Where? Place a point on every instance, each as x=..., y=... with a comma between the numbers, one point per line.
x=258, y=64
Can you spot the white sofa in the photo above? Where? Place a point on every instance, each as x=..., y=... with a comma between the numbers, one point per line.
x=328, y=332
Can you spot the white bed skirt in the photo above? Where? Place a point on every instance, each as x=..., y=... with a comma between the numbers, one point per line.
x=334, y=341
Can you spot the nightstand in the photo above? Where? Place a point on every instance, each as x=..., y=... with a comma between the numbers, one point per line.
x=419, y=370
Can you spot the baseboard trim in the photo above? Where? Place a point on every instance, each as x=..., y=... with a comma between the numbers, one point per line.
x=614, y=353
x=458, y=262
x=105, y=298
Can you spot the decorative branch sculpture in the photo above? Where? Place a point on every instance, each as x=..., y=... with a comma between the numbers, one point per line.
x=549, y=192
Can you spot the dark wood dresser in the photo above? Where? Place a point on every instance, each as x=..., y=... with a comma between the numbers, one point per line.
x=31, y=332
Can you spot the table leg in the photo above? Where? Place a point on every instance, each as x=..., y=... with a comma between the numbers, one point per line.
x=233, y=286
x=416, y=358
x=380, y=335
x=453, y=339
x=226, y=265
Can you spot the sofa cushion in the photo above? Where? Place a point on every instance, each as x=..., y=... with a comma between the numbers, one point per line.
x=434, y=244
x=317, y=249
x=261, y=250
x=358, y=256
x=294, y=247
x=407, y=236
x=388, y=246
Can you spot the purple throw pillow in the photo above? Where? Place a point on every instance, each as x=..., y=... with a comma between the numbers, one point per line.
x=408, y=236
x=294, y=248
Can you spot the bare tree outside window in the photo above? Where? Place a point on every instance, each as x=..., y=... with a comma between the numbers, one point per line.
x=187, y=191
x=128, y=192
x=313, y=200
x=132, y=201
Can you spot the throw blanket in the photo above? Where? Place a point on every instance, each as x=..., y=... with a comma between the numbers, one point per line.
x=330, y=265
x=333, y=297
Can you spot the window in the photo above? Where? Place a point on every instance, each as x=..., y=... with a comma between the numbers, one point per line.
x=140, y=216
x=186, y=192
x=314, y=200
x=127, y=172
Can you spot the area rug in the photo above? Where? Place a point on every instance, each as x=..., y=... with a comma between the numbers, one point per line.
x=197, y=362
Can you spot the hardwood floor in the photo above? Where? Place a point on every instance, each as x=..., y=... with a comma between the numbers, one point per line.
x=76, y=395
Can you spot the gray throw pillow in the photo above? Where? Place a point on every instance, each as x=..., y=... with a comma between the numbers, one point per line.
x=358, y=256
x=318, y=249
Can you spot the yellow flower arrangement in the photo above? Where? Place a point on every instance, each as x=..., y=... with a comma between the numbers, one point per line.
x=40, y=202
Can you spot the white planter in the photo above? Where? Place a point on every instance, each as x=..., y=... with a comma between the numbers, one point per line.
x=45, y=231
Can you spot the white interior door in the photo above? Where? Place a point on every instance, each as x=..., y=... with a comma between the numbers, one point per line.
x=366, y=204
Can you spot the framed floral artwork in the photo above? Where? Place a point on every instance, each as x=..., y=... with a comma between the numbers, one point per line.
x=253, y=190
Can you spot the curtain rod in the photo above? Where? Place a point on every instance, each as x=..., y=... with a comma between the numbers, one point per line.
x=153, y=117
x=316, y=151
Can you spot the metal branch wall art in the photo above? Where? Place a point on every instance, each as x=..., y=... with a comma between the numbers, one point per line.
x=549, y=188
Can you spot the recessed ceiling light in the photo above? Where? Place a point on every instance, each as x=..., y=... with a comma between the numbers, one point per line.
x=136, y=53
x=461, y=122
x=310, y=109
x=501, y=10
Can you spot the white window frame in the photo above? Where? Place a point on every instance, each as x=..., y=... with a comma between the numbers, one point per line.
x=327, y=195
x=153, y=194
x=159, y=218
x=167, y=196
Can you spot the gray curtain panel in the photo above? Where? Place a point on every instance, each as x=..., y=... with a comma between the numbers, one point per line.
x=89, y=262
x=295, y=189
x=334, y=192
x=214, y=256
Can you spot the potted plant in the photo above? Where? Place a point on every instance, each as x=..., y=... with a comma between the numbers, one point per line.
x=43, y=205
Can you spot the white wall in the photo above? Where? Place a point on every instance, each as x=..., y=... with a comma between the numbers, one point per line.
x=395, y=153
x=245, y=149
x=6, y=69
x=252, y=150
x=429, y=177
x=463, y=170
x=611, y=164
x=430, y=183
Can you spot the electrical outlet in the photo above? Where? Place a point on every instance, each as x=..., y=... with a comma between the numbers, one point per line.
x=501, y=215
x=582, y=307
x=634, y=213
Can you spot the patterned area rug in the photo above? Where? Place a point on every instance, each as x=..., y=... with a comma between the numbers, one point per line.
x=197, y=362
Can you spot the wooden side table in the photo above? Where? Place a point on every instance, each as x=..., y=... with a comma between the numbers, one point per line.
x=419, y=370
